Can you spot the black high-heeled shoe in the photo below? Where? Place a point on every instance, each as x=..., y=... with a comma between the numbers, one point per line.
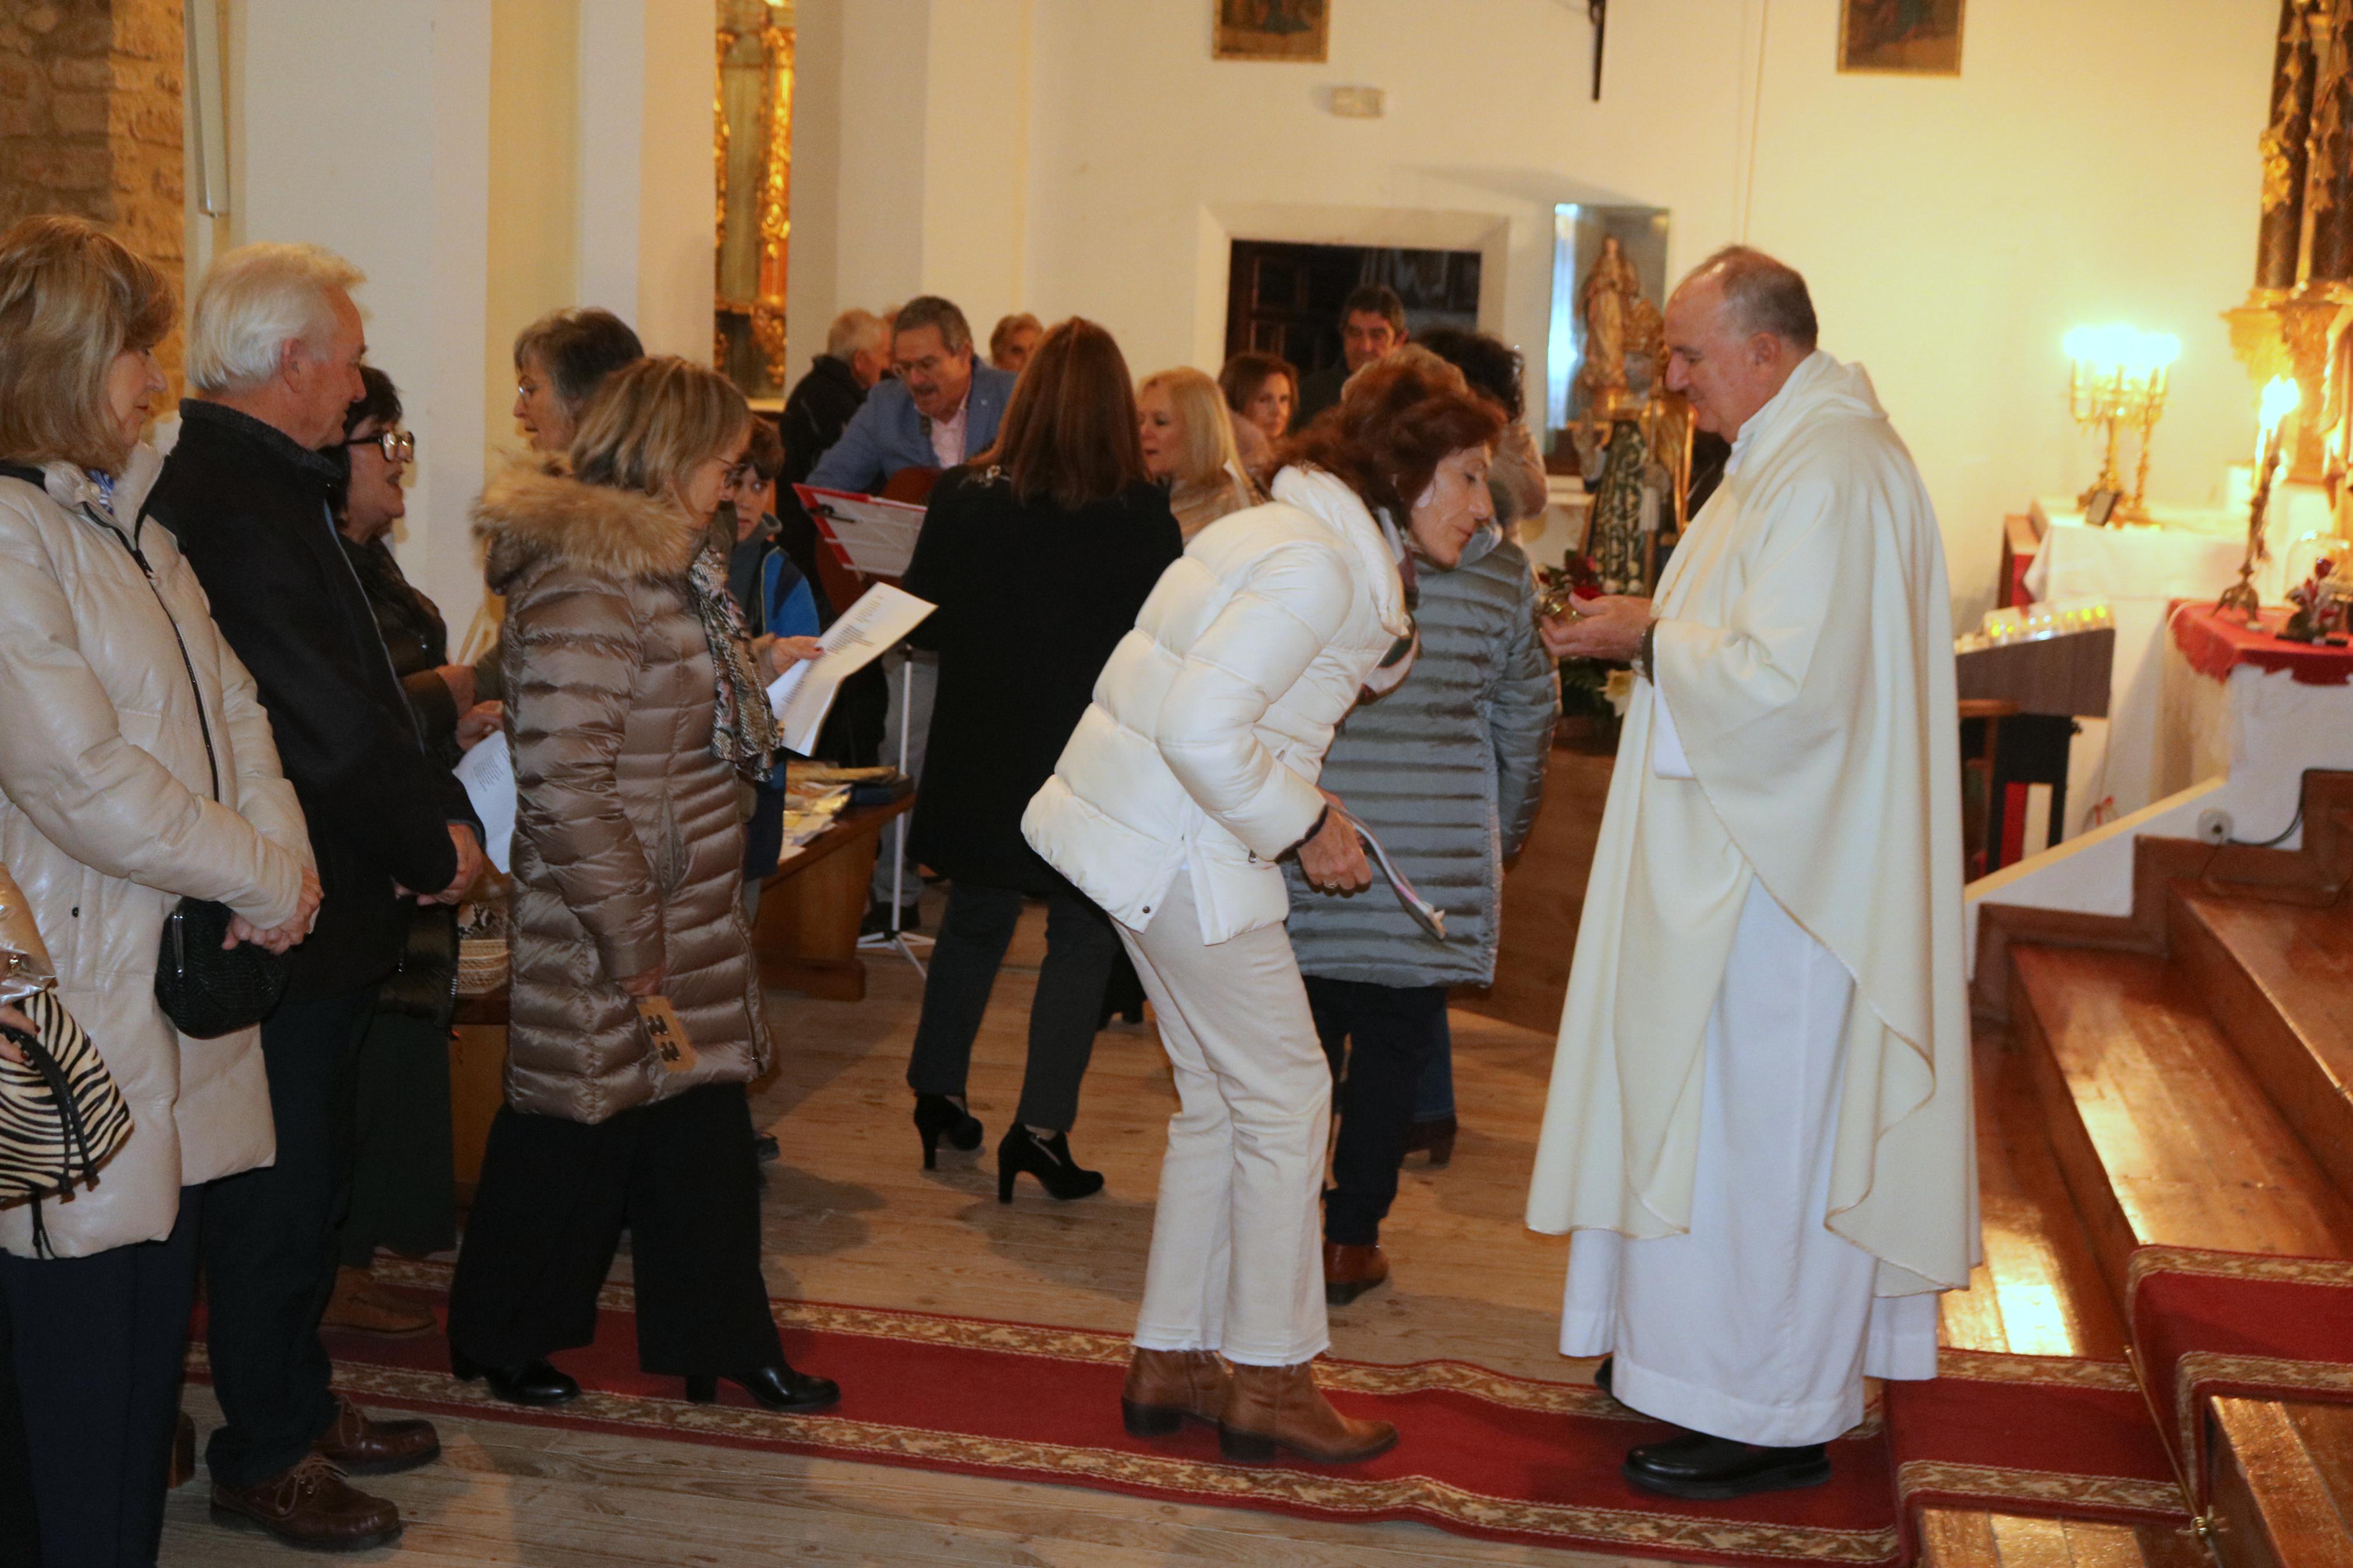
x=937, y=1117
x=1049, y=1160
x=523, y=1382
x=777, y=1387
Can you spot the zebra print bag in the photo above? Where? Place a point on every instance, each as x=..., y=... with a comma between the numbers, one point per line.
x=61, y=1114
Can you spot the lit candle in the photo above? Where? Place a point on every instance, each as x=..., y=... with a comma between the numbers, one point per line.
x=2280, y=399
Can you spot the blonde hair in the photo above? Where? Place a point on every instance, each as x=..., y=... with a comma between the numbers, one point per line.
x=1207, y=455
x=72, y=300
x=652, y=421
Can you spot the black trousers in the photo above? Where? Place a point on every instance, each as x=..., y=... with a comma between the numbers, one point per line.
x=267, y=1243
x=1080, y=944
x=554, y=1196
x=97, y=1345
x=404, y=1178
x=1378, y=1038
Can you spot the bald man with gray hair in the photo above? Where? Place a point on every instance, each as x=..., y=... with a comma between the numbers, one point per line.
x=1758, y=1126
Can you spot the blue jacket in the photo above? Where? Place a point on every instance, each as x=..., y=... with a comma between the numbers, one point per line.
x=887, y=434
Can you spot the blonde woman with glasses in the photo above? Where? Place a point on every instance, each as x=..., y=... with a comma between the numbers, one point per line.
x=636, y=713
x=1189, y=446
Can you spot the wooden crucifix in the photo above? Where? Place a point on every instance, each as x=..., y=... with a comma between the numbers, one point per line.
x=1599, y=12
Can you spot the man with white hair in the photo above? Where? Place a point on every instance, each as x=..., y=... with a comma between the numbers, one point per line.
x=857, y=356
x=1758, y=1126
x=274, y=349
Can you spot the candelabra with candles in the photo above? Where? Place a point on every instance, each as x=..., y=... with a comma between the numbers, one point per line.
x=2119, y=378
x=2280, y=399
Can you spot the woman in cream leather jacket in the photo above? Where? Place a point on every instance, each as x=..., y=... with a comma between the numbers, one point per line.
x=112, y=680
x=1191, y=774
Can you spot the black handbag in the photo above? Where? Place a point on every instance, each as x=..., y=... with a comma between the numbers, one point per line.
x=204, y=989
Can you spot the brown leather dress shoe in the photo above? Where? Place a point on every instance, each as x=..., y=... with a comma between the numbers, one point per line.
x=1163, y=1387
x=1280, y=1408
x=1350, y=1271
x=363, y=1306
x=309, y=1505
x=359, y=1447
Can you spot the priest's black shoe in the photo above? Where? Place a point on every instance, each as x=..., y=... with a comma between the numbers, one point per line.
x=522, y=1382
x=1049, y=1160
x=938, y=1117
x=1710, y=1470
x=777, y=1387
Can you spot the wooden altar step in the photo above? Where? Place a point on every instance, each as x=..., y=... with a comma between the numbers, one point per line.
x=2279, y=979
x=2193, y=1063
x=2164, y=1133
x=1972, y=1538
x=2282, y=1477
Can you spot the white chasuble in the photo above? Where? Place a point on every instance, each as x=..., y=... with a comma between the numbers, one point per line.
x=1804, y=646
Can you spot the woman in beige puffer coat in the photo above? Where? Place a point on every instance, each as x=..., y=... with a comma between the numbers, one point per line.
x=113, y=680
x=634, y=714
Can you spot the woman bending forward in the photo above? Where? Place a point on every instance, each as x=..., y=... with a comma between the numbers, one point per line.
x=1191, y=774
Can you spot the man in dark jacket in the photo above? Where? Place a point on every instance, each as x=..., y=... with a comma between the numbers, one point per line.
x=274, y=345
x=857, y=356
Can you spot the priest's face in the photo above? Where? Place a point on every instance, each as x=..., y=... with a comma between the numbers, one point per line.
x=1725, y=373
x=1454, y=507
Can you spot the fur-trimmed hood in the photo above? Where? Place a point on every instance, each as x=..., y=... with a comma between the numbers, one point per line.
x=530, y=514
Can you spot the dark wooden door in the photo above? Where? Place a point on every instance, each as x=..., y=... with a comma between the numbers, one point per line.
x=1284, y=297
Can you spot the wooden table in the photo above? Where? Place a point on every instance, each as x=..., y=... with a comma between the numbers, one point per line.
x=804, y=937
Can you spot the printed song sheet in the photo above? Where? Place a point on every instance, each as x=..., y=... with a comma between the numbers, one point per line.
x=803, y=695
x=487, y=773
x=1427, y=915
x=868, y=534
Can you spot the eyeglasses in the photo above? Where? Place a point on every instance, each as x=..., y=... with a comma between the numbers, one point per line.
x=399, y=446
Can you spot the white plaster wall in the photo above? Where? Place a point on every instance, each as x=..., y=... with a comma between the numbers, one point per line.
x=372, y=141
x=2094, y=160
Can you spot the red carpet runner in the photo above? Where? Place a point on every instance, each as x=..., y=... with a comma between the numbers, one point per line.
x=1483, y=1455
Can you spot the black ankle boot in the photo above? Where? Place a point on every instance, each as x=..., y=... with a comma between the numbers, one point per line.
x=777, y=1387
x=1049, y=1160
x=937, y=1117
x=522, y=1382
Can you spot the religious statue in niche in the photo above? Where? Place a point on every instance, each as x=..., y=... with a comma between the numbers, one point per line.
x=1625, y=416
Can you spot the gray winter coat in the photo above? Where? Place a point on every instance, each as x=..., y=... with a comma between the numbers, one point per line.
x=1446, y=771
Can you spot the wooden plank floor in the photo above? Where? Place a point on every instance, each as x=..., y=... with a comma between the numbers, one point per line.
x=851, y=1218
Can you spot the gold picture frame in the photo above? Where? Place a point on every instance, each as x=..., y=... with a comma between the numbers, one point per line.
x=1901, y=38
x=752, y=153
x=1290, y=31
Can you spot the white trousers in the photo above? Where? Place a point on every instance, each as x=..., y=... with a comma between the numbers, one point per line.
x=1237, y=1241
x=1759, y=1324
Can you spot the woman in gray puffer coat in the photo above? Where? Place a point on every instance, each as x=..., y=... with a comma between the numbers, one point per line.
x=1446, y=771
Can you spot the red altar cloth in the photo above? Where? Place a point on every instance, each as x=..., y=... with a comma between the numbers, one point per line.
x=2215, y=644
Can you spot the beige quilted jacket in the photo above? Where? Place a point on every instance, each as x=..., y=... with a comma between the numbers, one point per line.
x=108, y=819
x=628, y=847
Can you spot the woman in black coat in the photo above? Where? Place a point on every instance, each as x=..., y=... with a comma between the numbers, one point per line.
x=1038, y=554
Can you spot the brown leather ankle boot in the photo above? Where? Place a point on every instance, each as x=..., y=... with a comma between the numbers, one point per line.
x=1273, y=1407
x=1163, y=1387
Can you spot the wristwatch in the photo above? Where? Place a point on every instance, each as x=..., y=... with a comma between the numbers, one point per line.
x=1643, y=655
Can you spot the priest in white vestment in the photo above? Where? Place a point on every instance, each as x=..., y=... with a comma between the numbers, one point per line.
x=1758, y=1127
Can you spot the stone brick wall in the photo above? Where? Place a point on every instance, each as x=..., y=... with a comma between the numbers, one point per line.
x=90, y=123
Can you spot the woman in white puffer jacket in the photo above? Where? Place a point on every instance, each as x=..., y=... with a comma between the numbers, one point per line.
x=1189, y=776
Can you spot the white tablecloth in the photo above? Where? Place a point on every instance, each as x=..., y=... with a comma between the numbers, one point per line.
x=2113, y=768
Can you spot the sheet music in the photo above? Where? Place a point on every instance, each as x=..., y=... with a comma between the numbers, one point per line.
x=866, y=533
x=1427, y=915
x=803, y=695
x=488, y=773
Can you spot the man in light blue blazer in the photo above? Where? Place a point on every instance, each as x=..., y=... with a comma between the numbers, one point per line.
x=937, y=408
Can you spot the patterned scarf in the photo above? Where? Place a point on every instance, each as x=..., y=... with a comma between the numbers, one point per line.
x=743, y=731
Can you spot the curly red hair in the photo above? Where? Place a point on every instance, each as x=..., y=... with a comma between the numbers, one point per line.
x=1394, y=424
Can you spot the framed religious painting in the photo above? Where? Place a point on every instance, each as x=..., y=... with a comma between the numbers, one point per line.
x=1901, y=38
x=1272, y=29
